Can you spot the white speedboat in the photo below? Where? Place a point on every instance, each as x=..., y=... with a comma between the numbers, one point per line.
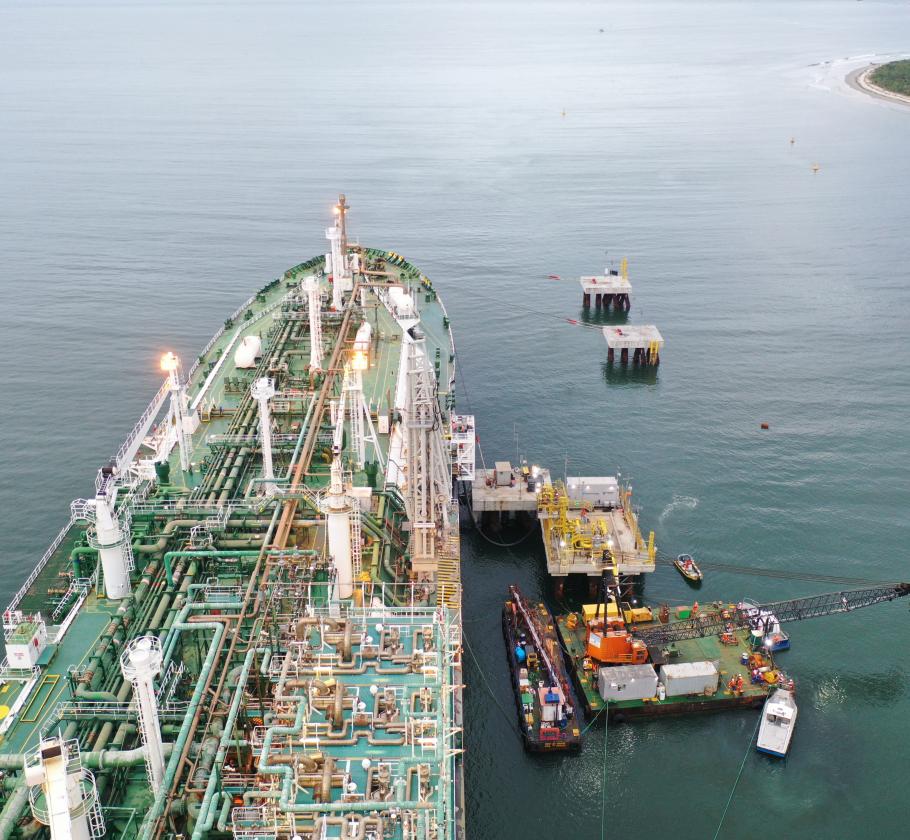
x=778, y=720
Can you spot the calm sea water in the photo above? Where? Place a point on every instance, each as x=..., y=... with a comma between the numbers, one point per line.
x=158, y=162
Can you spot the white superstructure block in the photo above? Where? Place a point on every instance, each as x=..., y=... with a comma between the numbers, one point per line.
x=262, y=390
x=338, y=521
x=140, y=663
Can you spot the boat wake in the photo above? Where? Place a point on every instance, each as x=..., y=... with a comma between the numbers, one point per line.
x=684, y=502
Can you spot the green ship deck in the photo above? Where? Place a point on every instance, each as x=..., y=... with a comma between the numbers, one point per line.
x=299, y=689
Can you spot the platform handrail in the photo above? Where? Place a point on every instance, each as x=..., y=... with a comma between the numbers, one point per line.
x=14, y=604
x=140, y=426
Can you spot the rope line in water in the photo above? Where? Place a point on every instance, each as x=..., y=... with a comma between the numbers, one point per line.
x=483, y=676
x=742, y=767
x=780, y=573
x=603, y=804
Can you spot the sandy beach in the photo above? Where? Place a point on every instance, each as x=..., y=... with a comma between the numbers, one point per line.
x=859, y=80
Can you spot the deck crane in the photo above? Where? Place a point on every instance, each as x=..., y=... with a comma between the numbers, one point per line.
x=750, y=615
x=608, y=640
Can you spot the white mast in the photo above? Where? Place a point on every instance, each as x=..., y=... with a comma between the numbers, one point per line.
x=338, y=516
x=140, y=663
x=429, y=490
x=338, y=240
x=315, y=308
x=362, y=427
x=63, y=795
x=262, y=390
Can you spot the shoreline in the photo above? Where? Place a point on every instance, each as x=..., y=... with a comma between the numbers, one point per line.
x=859, y=80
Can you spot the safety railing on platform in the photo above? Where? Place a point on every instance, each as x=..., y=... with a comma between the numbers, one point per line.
x=189, y=506
x=23, y=590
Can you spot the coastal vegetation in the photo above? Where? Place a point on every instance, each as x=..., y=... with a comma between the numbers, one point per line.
x=893, y=76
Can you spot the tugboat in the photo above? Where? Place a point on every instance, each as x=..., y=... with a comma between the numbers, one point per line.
x=777, y=721
x=548, y=709
x=688, y=569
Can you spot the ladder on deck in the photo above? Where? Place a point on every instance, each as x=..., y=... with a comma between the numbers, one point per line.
x=448, y=578
x=356, y=540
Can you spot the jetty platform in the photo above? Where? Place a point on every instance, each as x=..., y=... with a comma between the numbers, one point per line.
x=644, y=341
x=609, y=289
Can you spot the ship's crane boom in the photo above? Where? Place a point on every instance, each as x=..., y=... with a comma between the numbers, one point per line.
x=750, y=615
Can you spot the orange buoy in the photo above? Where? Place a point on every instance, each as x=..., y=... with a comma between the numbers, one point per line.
x=765, y=426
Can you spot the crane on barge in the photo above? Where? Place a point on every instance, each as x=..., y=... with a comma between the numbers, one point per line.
x=610, y=641
x=749, y=616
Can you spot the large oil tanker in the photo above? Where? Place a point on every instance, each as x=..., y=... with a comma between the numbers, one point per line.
x=253, y=627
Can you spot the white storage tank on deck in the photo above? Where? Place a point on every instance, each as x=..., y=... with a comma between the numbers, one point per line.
x=249, y=350
x=627, y=682
x=689, y=678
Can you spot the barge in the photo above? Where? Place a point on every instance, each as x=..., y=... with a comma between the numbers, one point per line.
x=714, y=692
x=548, y=709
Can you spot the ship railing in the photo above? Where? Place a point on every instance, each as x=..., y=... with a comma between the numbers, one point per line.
x=254, y=822
x=190, y=507
x=77, y=588
x=241, y=781
x=72, y=709
x=214, y=593
x=23, y=590
x=131, y=444
x=217, y=335
x=18, y=674
x=408, y=605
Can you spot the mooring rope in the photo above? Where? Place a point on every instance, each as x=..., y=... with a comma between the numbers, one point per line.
x=742, y=767
x=508, y=718
x=603, y=804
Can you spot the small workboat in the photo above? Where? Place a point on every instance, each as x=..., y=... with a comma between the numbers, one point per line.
x=773, y=635
x=688, y=568
x=778, y=718
x=548, y=709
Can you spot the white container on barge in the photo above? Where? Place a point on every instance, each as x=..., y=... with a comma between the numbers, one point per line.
x=627, y=682
x=689, y=678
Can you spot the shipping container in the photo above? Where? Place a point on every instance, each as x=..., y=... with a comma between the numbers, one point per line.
x=689, y=678
x=627, y=682
x=599, y=491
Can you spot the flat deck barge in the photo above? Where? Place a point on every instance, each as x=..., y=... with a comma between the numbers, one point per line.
x=727, y=656
x=547, y=706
